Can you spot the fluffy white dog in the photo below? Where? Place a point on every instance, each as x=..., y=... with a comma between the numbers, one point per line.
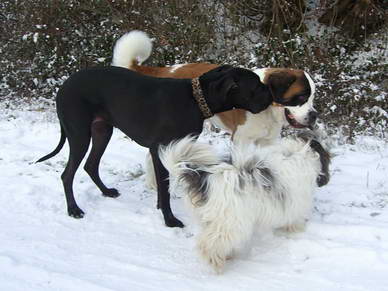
x=254, y=188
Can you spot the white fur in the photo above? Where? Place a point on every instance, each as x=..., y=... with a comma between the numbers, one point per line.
x=150, y=178
x=181, y=153
x=134, y=45
x=263, y=128
x=185, y=151
x=176, y=67
x=311, y=82
x=240, y=198
x=261, y=73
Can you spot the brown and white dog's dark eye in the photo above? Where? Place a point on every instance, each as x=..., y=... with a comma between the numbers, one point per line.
x=297, y=100
x=302, y=98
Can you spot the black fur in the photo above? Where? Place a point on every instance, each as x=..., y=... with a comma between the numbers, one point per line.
x=324, y=156
x=249, y=167
x=268, y=178
x=197, y=185
x=151, y=111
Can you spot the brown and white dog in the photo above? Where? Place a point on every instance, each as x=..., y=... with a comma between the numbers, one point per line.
x=293, y=88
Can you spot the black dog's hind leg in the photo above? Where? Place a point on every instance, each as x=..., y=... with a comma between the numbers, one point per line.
x=79, y=145
x=162, y=183
x=101, y=134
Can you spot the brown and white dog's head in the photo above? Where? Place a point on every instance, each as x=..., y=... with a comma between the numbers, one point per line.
x=294, y=90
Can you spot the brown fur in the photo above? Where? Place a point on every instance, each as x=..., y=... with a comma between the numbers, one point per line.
x=232, y=119
x=188, y=71
x=292, y=72
x=289, y=82
x=294, y=90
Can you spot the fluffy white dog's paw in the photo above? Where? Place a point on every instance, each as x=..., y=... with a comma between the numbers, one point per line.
x=212, y=256
x=296, y=227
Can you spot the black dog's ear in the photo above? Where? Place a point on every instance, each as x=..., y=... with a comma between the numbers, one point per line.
x=219, y=82
x=279, y=83
x=228, y=86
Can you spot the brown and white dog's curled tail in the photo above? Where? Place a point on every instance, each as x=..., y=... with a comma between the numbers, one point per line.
x=57, y=149
x=131, y=49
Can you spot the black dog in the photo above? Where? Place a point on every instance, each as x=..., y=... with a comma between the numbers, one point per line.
x=151, y=111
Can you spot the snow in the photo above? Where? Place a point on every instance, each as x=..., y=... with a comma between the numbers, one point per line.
x=122, y=244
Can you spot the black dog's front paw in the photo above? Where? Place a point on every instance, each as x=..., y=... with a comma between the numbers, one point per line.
x=112, y=193
x=173, y=222
x=75, y=212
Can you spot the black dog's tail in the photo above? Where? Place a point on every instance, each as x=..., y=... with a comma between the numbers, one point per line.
x=57, y=149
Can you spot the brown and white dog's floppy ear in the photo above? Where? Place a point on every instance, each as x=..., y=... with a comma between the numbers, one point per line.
x=279, y=83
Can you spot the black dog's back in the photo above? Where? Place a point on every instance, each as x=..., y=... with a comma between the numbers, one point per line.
x=125, y=98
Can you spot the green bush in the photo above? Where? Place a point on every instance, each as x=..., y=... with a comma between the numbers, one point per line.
x=43, y=42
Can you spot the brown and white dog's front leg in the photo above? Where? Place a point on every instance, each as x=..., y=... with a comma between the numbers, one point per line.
x=162, y=183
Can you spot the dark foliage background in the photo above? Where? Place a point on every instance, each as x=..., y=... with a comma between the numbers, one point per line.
x=343, y=44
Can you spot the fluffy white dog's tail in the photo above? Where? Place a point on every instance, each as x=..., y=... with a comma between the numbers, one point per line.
x=132, y=48
x=179, y=155
x=189, y=161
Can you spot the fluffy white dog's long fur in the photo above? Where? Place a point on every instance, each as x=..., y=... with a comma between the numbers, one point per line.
x=267, y=187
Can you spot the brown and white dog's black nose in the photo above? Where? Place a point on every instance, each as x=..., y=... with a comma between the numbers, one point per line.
x=312, y=117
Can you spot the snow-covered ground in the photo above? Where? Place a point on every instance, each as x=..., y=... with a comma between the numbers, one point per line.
x=122, y=244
